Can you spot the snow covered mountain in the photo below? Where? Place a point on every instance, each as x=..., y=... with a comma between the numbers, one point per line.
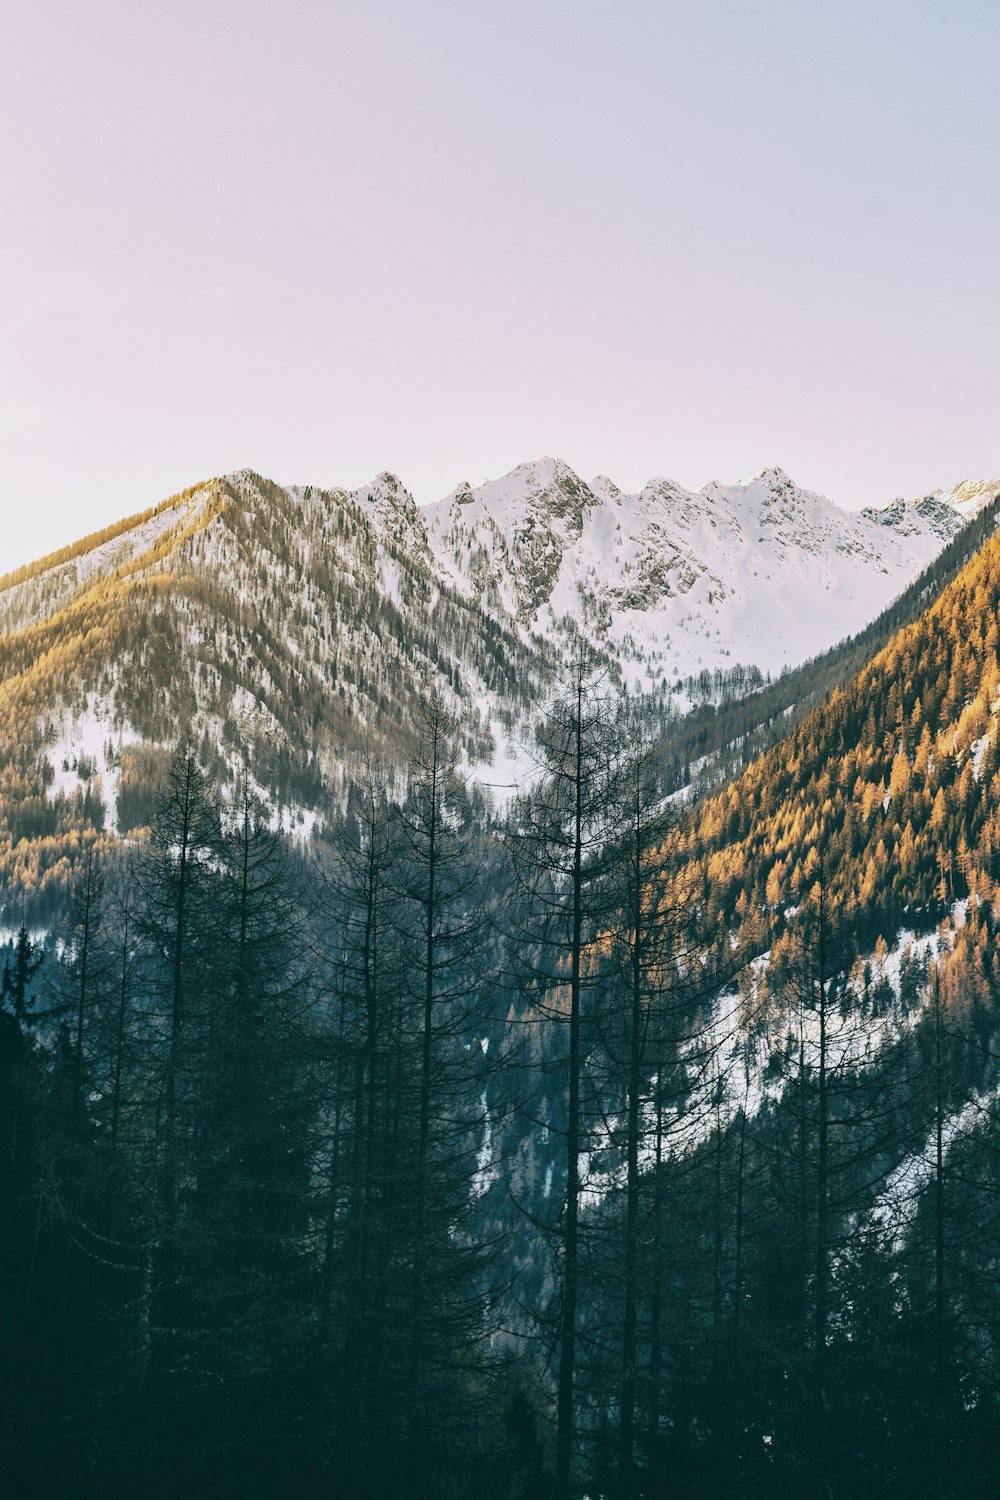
x=297, y=626
x=761, y=572
x=300, y=626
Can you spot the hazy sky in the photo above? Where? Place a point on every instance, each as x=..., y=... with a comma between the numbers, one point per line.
x=648, y=237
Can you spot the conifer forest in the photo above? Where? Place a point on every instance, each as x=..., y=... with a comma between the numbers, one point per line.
x=608, y=1142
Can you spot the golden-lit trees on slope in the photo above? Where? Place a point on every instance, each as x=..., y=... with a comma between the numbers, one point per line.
x=898, y=769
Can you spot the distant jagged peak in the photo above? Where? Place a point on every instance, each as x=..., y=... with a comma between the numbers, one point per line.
x=386, y=480
x=906, y=515
x=542, y=472
x=671, y=489
x=711, y=488
x=385, y=486
x=771, y=491
x=943, y=511
x=549, y=482
x=543, y=491
x=397, y=518
x=387, y=496
x=968, y=497
x=771, y=477
x=245, y=478
x=605, y=489
x=776, y=491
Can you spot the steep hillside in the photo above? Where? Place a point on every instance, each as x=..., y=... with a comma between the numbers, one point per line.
x=293, y=628
x=893, y=782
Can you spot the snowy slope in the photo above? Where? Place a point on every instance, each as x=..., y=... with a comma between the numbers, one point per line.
x=298, y=626
x=760, y=572
x=38, y=596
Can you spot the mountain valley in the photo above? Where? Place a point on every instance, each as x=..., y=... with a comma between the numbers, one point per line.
x=516, y=977
x=298, y=627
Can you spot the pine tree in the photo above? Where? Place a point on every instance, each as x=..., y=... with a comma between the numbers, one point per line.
x=558, y=837
x=249, y=1126
x=446, y=962
x=365, y=1140
x=174, y=884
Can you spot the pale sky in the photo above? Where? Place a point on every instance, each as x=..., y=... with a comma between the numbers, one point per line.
x=444, y=236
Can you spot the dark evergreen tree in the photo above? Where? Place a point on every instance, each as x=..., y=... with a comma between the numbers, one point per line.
x=445, y=970
x=175, y=880
x=248, y=1122
x=559, y=836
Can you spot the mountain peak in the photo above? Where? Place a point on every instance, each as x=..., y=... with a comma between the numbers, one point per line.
x=605, y=489
x=388, y=480
x=547, y=469
x=773, y=477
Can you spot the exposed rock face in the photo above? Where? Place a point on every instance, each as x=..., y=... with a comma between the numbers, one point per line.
x=761, y=572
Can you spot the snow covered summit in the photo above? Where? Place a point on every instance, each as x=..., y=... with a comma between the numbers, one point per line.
x=762, y=571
